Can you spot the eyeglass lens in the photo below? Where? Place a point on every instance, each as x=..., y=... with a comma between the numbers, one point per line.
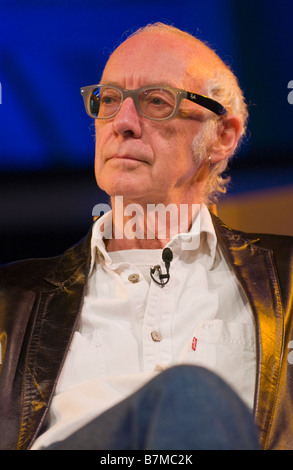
x=156, y=103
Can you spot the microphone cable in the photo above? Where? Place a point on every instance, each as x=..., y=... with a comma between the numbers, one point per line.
x=167, y=257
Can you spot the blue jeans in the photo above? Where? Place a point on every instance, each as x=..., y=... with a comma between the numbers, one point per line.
x=183, y=408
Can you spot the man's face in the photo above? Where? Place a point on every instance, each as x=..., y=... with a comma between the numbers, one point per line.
x=142, y=160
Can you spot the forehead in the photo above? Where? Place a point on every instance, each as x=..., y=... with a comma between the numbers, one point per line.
x=155, y=58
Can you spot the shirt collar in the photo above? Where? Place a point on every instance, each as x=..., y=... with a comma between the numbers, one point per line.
x=192, y=240
x=202, y=232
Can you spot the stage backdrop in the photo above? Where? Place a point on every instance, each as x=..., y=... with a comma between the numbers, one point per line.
x=49, y=49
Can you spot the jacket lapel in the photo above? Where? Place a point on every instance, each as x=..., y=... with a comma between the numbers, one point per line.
x=51, y=336
x=255, y=270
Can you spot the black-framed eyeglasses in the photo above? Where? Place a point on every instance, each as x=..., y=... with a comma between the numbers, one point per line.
x=153, y=102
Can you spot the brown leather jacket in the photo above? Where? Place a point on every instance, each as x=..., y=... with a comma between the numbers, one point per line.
x=40, y=302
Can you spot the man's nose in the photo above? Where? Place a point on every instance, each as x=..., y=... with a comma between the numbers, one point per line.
x=127, y=121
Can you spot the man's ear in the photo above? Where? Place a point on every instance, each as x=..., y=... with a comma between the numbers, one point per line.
x=229, y=133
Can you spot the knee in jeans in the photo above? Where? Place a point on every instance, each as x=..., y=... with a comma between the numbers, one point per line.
x=188, y=378
x=185, y=375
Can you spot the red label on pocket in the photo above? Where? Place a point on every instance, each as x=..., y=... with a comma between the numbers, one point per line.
x=194, y=343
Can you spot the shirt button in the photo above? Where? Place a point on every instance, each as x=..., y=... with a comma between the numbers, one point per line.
x=133, y=278
x=156, y=336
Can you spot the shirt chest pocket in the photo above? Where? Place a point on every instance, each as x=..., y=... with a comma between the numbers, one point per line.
x=227, y=349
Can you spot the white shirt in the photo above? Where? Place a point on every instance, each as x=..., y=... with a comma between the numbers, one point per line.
x=130, y=331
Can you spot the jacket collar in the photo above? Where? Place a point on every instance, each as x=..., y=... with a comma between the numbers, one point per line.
x=254, y=268
x=76, y=258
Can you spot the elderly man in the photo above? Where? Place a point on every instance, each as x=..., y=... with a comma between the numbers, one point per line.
x=88, y=339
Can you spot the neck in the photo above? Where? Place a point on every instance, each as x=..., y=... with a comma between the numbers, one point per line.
x=148, y=226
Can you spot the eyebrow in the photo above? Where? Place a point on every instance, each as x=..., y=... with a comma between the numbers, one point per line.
x=159, y=84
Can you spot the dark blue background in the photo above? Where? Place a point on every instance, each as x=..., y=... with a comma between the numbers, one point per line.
x=49, y=49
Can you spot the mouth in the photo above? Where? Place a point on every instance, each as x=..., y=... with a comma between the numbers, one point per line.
x=126, y=158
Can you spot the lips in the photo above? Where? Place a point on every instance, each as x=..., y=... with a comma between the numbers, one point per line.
x=126, y=157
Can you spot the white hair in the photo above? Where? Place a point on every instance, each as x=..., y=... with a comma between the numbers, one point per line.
x=223, y=87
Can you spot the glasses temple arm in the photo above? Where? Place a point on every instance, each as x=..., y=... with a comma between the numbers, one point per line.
x=207, y=103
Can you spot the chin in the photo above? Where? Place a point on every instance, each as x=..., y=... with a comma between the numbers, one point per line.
x=121, y=186
x=120, y=190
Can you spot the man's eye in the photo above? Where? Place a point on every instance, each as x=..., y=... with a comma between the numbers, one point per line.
x=107, y=99
x=157, y=101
